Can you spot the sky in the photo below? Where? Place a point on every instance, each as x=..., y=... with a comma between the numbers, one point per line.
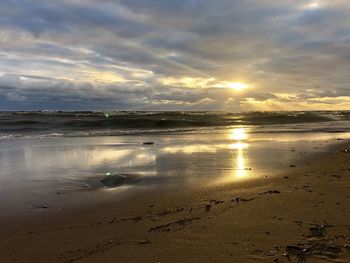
x=221, y=55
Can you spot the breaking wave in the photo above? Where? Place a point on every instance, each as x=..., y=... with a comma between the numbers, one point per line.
x=87, y=123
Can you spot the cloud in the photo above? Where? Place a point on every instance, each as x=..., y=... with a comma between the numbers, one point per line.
x=149, y=54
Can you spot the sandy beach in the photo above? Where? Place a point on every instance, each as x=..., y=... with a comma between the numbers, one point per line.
x=163, y=131
x=299, y=215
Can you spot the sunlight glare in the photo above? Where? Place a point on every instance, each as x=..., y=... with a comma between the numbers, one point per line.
x=240, y=165
x=238, y=134
x=238, y=146
x=237, y=86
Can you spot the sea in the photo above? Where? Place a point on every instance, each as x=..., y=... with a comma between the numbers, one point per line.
x=53, y=124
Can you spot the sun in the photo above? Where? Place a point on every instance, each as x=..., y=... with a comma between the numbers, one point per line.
x=237, y=85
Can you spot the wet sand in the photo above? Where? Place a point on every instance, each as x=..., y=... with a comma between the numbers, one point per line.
x=299, y=215
x=66, y=173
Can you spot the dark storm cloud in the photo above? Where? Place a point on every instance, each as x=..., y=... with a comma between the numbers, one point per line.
x=121, y=54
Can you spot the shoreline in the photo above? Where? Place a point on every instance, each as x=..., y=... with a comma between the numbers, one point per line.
x=302, y=208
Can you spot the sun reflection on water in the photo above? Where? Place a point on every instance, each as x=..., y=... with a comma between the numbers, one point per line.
x=239, y=134
x=241, y=170
x=239, y=165
x=238, y=146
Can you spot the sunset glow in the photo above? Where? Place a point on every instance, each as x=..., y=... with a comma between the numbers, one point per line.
x=154, y=55
x=174, y=130
x=237, y=86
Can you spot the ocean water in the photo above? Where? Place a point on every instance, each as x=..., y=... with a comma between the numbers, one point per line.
x=58, y=159
x=52, y=124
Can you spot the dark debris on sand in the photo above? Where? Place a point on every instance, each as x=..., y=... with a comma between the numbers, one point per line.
x=175, y=225
x=318, y=245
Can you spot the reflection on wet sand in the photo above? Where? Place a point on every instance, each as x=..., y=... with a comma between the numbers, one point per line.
x=239, y=163
x=35, y=168
x=191, y=149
